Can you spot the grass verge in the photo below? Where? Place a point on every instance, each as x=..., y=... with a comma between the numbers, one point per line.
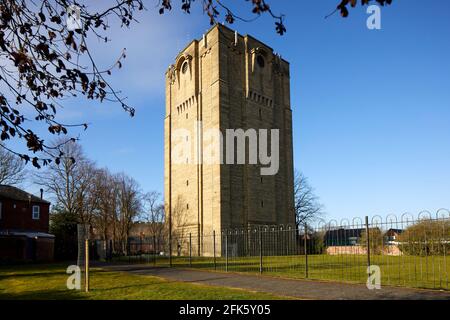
x=48, y=282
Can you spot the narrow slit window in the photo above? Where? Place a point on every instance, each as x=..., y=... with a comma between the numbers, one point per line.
x=36, y=212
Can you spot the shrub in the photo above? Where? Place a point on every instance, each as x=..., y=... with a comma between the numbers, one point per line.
x=428, y=237
x=375, y=240
x=64, y=227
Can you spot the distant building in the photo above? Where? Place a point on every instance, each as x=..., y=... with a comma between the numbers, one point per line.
x=348, y=241
x=147, y=230
x=24, y=226
x=343, y=237
x=391, y=236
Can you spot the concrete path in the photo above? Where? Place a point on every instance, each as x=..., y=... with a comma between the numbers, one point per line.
x=302, y=289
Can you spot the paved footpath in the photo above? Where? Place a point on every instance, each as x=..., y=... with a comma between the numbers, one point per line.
x=300, y=289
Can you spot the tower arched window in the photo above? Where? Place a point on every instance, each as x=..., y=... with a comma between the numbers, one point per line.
x=260, y=61
x=184, y=67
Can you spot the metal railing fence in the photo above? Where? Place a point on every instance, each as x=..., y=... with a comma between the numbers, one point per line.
x=410, y=251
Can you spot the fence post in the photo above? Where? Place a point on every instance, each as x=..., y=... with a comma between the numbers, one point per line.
x=170, y=248
x=110, y=253
x=170, y=253
x=305, y=241
x=86, y=265
x=214, y=245
x=155, y=252
x=125, y=249
x=190, y=249
x=226, y=251
x=260, y=251
x=140, y=248
x=170, y=239
x=368, y=241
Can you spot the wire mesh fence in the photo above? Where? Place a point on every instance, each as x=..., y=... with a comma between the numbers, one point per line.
x=410, y=251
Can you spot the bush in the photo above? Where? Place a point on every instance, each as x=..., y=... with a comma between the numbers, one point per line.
x=318, y=243
x=429, y=237
x=64, y=227
x=375, y=240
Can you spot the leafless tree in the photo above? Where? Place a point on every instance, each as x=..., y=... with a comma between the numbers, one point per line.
x=12, y=168
x=118, y=203
x=129, y=206
x=106, y=192
x=307, y=206
x=70, y=183
x=153, y=213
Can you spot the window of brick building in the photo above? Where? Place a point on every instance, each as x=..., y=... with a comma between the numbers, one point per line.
x=36, y=212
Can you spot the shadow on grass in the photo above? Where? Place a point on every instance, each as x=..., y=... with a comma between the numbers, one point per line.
x=46, y=274
x=43, y=295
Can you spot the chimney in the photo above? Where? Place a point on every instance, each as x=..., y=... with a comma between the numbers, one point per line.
x=42, y=193
x=235, y=38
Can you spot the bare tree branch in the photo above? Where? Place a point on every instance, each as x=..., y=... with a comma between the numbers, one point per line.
x=12, y=169
x=307, y=206
x=43, y=62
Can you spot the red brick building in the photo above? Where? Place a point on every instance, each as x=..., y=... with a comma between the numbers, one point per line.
x=24, y=224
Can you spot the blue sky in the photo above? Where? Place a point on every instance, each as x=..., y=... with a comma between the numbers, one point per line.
x=371, y=109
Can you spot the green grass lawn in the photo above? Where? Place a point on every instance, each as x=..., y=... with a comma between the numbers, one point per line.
x=430, y=272
x=49, y=282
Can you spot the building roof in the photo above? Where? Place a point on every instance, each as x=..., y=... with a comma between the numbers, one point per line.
x=392, y=230
x=344, y=233
x=221, y=25
x=25, y=233
x=13, y=193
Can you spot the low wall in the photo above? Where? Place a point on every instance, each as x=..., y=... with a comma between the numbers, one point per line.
x=45, y=249
x=22, y=249
x=346, y=250
x=13, y=248
x=387, y=250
